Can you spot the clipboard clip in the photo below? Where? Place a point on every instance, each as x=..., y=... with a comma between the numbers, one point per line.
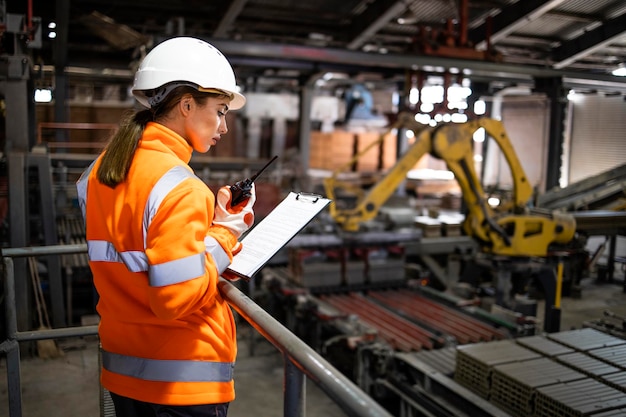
x=308, y=197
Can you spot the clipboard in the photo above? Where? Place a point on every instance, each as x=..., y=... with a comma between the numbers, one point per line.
x=263, y=241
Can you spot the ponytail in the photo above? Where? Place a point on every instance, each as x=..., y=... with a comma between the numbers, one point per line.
x=119, y=152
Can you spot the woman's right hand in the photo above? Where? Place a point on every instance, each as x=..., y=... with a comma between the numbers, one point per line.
x=237, y=219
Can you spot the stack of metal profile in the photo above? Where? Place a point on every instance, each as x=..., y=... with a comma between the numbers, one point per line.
x=616, y=380
x=567, y=374
x=513, y=384
x=606, y=364
x=614, y=355
x=586, y=364
x=621, y=412
x=543, y=345
x=586, y=339
x=580, y=398
x=475, y=362
x=599, y=355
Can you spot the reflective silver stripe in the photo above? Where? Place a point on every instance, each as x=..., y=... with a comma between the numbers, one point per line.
x=135, y=260
x=103, y=251
x=81, y=187
x=167, y=273
x=161, y=189
x=178, y=270
x=220, y=257
x=168, y=370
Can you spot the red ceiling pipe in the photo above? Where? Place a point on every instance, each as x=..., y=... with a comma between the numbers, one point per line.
x=29, y=20
x=489, y=27
x=463, y=17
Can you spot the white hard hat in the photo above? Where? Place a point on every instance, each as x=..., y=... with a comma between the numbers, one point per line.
x=185, y=61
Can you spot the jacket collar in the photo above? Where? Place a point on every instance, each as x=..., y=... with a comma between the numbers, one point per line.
x=169, y=139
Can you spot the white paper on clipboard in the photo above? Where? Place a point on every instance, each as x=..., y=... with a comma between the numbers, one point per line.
x=273, y=232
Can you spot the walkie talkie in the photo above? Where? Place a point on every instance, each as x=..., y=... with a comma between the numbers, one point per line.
x=241, y=189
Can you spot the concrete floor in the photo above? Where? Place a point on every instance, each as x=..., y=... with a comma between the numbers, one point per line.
x=68, y=386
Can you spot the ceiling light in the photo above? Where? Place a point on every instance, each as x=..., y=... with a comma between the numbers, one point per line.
x=316, y=36
x=43, y=95
x=620, y=72
x=459, y=118
x=414, y=95
x=407, y=18
x=480, y=107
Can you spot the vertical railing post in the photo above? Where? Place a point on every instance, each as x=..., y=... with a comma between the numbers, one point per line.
x=294, y=390
x=14, y=382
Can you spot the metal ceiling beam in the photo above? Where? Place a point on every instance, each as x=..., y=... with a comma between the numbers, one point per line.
x=264, y=53
x=229, y=18
x=310, y=60
x=510, y=19
x=589, y=42
x=373, y=19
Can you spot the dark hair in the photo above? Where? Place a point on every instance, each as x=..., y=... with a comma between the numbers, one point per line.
x=119, y=152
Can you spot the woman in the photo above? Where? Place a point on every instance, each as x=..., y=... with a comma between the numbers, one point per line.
x=158, y=240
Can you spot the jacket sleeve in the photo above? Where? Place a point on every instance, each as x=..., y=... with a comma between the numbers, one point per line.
x=185, y=252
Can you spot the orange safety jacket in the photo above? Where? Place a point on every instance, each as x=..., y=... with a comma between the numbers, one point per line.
x=167, y=335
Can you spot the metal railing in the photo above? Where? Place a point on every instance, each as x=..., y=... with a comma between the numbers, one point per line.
x=301, y=361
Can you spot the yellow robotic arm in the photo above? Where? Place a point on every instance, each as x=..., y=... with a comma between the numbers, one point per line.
x=368, y=204
x=516, y=231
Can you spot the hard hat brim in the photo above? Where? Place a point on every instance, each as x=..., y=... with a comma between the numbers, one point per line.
x=237, y=102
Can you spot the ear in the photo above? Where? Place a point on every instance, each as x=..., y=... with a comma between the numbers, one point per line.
x=185, y=104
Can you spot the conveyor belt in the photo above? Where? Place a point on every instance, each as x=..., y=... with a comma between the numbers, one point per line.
x=432, y=314
x=600, y=221
x=400, y=333
x=597, y=192
x=410, y=322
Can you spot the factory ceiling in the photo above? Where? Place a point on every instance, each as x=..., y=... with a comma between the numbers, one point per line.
x=293, y=42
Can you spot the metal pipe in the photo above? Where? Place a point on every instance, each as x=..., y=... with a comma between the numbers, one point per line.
x=347, y=395
x=29, y=19
x=56, y=333
x=44, y=250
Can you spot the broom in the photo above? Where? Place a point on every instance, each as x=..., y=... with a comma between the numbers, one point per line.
x=46, y=348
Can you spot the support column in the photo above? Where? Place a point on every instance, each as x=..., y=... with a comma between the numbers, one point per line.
x=279, y=136
x=61, y=110
x=306, y=102
x=16, y=95
x=554, y=90
x=552, y=314
x=254, y=137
